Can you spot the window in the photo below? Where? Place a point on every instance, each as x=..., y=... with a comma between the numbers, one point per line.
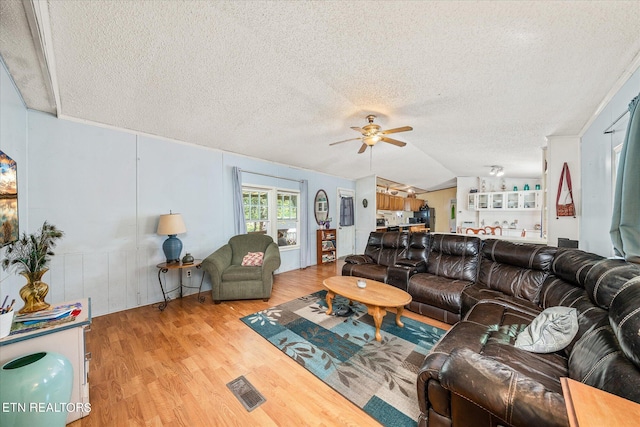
x=256, y=210
x=274, y=212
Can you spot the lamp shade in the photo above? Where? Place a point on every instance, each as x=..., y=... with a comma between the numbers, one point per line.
x=171, y=224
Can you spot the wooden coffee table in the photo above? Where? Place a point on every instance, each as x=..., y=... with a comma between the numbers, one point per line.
x=377, y=297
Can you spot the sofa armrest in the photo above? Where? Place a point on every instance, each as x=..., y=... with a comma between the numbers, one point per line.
x=399, y=275
x=271, y=261
x=418, y=265
x=215, y=264
x=359, y=259
x=501, y=390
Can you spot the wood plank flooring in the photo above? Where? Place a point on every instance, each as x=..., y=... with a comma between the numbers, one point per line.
x=170, y=368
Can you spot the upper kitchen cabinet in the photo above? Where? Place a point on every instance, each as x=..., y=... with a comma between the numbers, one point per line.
x=511, y=200
x=389, y=202
x=412, y=204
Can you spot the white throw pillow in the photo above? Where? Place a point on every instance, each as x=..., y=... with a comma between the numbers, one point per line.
x=550, y=331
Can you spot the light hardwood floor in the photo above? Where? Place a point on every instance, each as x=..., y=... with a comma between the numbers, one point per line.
x=170, y=368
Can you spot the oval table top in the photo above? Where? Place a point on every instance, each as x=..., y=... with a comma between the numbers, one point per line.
x=376, y=293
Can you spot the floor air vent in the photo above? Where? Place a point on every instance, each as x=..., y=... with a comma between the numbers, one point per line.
x=246, y=393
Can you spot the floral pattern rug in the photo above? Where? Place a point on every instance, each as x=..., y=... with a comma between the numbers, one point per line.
x=379, y=377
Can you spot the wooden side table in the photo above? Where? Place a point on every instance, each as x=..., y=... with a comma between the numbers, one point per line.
x=588, y=406
x=164, y=267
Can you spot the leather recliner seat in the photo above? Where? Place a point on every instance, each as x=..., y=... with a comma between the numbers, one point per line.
x=452, y=266
x=475, y=376
x=381, y=252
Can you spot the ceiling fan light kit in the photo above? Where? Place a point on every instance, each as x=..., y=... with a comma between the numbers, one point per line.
x=496, y=170
x=371, y=135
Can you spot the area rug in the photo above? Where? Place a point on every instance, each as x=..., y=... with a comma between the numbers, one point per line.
x=379, y=377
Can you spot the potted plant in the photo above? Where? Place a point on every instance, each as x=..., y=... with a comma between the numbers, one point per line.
x=29, y=256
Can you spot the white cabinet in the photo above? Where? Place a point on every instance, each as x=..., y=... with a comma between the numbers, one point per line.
x=471, y=201
x=482, y=201
x=531, y=200
x=497, y=200
x=67, y=339
x=510, y=200
x=513, y=200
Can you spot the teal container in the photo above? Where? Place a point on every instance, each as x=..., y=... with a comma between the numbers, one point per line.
x=35, y=390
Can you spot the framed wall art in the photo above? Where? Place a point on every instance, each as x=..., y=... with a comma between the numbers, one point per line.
x=8, y=200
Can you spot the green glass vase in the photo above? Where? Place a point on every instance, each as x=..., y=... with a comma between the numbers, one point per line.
x=35, y=390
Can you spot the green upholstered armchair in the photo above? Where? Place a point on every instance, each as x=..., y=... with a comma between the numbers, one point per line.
x=230, y=280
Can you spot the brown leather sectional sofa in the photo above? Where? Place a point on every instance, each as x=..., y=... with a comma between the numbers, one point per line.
x=475, y=376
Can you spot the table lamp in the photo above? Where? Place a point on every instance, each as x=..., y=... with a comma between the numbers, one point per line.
x=171, y=224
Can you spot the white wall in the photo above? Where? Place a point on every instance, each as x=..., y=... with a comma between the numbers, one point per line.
x=562, y=149
x=365, y=217
x=597, y=177
x=106, y=188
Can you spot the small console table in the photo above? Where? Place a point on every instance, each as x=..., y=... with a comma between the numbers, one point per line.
x=164, y=267
x=67, y=337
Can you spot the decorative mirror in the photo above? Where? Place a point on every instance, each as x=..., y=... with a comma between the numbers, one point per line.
x=321, y=207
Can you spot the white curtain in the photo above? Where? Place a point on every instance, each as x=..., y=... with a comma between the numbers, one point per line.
x=240, y=224
x=305, y=242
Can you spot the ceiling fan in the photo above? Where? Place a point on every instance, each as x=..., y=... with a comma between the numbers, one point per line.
x=371, y=135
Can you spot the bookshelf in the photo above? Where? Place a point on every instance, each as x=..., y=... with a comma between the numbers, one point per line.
x=326, y=245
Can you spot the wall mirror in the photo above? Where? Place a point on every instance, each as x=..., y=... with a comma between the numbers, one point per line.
x=321, y=207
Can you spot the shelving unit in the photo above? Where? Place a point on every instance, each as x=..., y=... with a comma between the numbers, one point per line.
x=515, y=200
x=326, y=247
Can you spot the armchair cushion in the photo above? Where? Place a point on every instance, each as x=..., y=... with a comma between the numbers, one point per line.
x=238, y=273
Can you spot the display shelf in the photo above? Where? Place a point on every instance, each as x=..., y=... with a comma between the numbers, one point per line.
x=326, y=245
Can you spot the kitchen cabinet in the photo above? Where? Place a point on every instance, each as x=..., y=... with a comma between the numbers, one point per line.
x=510, y=200
x=389, y=202
x=482, y=201
x=472, y=199
x=513, y=200
x=497, y=200
x=531, y=200
x=412, y=204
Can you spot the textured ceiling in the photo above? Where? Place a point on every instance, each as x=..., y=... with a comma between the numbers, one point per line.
x=481, y=83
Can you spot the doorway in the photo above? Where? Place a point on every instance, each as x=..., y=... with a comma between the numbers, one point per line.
x=346, y=235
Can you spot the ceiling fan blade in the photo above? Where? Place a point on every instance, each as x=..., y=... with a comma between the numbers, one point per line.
x=340, y=142
x=396, y=130
x=362, y=131
x=393, y=141
x=362, y=149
